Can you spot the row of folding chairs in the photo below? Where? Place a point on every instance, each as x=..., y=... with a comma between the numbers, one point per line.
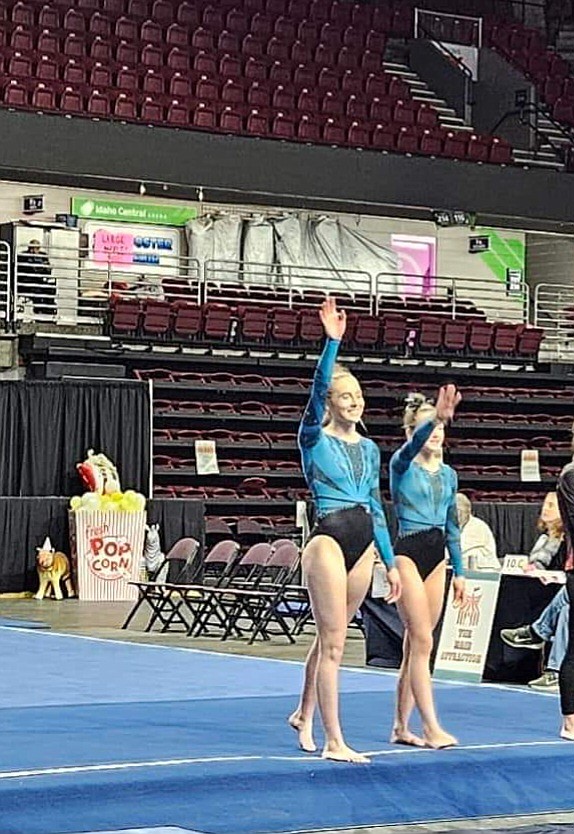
x=251, y=595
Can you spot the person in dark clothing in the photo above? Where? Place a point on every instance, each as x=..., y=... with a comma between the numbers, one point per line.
x=35, y=280
x=565, y=492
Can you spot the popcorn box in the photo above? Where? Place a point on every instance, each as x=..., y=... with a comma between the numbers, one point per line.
x=107, y=553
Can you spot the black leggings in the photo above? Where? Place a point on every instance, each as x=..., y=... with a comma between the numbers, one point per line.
x=567, y=668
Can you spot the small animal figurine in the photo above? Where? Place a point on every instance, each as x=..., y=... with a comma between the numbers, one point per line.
x=53, y=567
x=153, y=556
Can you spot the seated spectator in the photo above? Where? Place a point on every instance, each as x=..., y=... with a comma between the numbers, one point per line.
x=35, y=279
x=548, y=550
x=476, y=538
x=552, y=625
x=547, y=554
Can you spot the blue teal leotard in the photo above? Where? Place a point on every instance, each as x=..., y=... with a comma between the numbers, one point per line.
x=340, y=474
x=424, y=499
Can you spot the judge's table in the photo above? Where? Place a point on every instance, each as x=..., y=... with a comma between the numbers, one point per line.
x=522, y=596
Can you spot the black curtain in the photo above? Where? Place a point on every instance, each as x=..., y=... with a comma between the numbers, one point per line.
x=25, y=523
x=47, y=427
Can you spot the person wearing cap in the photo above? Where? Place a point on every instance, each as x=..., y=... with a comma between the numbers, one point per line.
x=35, y=280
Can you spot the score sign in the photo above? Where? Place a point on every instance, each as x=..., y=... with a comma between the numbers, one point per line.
x=514, y=564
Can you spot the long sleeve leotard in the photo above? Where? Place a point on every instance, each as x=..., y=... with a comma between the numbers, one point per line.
x=340, y=474
x=424, y=499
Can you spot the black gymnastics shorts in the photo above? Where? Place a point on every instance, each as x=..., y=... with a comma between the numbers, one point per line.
x=425, y=548
x=352, y=529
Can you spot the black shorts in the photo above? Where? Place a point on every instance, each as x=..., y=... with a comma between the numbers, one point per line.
x=351, y=528
x=425, y=548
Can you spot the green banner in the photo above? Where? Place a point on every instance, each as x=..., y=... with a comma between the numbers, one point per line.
x=91, y=208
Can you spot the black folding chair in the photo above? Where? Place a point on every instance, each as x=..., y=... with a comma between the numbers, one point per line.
x=258, y=604
x=220, y=602
x=187, y=600
x=178, y=565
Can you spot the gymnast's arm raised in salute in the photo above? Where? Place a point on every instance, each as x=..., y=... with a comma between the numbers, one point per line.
x=314, y=414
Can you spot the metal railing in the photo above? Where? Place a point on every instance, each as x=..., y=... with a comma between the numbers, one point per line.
x=5, y=287
x=554, y=312
x=286, y=284
x=73, y=287
x=434, y=24
x=453, y=297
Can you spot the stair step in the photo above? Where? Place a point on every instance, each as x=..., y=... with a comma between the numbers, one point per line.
x=395, y=65
x=457, y=126
x=429, y=97
x=547, y=155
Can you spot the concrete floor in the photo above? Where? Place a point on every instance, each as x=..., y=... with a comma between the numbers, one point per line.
x=104, y=620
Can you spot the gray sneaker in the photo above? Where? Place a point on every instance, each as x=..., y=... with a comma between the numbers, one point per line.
x=547, y=682
x=521, y=638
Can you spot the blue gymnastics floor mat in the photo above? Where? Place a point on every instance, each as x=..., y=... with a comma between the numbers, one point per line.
x=101, y=736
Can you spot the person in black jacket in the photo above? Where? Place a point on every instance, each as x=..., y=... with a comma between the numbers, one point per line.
x=565, y=492
x=35, y=280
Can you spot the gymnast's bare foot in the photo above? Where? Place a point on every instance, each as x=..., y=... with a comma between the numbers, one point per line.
x=404, y=736
x=304, y=730
x=342, y=753
x=567, y=731
x=438, y=739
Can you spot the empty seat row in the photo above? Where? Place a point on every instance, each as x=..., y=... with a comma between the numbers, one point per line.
x=258, y=324
x=149, y=34
x=434, y=334
x=234, y=13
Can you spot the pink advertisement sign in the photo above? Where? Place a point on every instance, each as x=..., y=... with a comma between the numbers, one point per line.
x=111, y=247
x=417, y=263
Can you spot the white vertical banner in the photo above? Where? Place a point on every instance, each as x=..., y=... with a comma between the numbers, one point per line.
x=466, y=629
x=206, y=457
x=529, y=465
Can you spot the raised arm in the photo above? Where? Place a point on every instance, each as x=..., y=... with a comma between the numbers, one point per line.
x=310, y=427
x=446, y=403
x=334, y=323
x=403, y=458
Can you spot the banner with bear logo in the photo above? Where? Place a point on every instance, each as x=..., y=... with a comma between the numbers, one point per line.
x=466, y=629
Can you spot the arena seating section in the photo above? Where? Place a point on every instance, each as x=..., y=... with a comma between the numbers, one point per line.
x=253, y=418
x=403, y=326
x=239, y=374
x=526, y=50
x=304, y=70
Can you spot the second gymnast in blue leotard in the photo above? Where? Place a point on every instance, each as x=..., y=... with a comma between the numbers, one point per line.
x=423, y=490
x=342, y=469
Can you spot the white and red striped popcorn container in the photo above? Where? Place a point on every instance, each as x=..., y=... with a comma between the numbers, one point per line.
x=107, y=553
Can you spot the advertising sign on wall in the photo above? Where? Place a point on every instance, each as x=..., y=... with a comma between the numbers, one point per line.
x=92, y=208
x=128, y=248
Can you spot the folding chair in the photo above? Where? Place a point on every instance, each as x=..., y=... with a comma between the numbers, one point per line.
x=178, y=565
x=259, y=605
x=286, y=601
x=219, y=603
x=182, y=600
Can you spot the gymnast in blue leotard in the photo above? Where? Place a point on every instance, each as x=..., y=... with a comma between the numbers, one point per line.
x=342, y=469
x=423, y=490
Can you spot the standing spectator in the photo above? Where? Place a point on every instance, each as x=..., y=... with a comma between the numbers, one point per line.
x=35, y=279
